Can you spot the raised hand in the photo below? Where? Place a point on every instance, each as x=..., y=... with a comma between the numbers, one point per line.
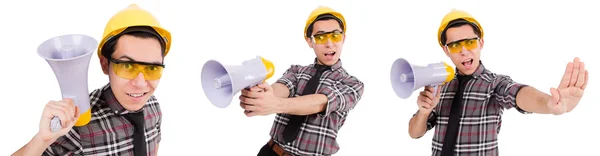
x=570, y=91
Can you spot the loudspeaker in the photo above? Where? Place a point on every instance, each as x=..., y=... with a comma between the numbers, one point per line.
x=69, y=57
x=221, y=82
x=406, y=78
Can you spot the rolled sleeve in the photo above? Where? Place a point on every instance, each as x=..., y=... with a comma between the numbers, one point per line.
x=342, y=96
x=431, y=119
x=289, y=79
x=506, y=91
x=69, y=144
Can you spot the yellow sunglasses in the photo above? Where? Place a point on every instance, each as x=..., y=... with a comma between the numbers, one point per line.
x=469, y=44
x=131, y=69
x=334, y=36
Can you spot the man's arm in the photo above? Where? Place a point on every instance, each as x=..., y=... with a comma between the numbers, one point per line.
x=420, y=123
x=341, y=96
x=35, y=146
x=533, y=100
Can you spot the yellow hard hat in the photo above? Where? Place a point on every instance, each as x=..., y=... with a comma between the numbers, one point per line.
x=454, y=15
x=133, y=16
x=320, y=11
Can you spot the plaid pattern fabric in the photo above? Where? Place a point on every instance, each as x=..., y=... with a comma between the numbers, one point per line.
x=318, y=133
x=109, y=133
x=485, y=98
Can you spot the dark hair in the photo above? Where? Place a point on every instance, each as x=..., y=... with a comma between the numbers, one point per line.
x=457, y=23
x=323, y=17
x=143, y=32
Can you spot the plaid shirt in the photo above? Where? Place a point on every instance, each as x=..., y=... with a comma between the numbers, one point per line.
x=485, y=98
x=109, y=132
x=318, y=133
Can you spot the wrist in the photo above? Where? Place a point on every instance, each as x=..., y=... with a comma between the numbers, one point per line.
x=37, y=145
x=282, y=104
x=425, y=113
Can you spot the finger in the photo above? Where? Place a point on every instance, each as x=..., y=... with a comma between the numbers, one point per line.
x=248, y=107
x=429, y=94
x=580, y=75
x=575, y=72
x=426, y=100
x=268, y=88
x=69, y=109
x=71, y=106
x=566, y=76
x=438, y=91
x=555, y=96
x=255, y=88
x=77, y=112
x=249, y=101
x=251, y=113
x=586, y=80
x=58, y=111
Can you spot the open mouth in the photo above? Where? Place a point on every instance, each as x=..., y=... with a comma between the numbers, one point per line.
x=330, y=53
x=136, y=95
x=467, y=62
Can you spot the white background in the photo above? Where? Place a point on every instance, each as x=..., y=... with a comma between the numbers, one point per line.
x=521, y=38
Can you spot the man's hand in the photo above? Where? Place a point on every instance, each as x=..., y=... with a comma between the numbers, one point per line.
x=66, y=111
x=569, y=92
x=260, y=100
x=427, y=101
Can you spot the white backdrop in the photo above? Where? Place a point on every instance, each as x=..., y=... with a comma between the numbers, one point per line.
x=522, y=37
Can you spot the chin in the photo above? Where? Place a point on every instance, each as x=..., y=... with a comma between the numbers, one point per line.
x=133, y=106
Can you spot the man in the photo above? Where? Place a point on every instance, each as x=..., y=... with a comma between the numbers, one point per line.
x=126, y=116
x=467, y=111
x=313, y=101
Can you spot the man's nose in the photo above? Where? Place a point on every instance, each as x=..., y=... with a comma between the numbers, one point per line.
x=139, y=80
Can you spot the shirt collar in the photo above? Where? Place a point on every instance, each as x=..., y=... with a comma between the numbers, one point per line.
x=480, y=69
x=113, y=103
x=334, y=67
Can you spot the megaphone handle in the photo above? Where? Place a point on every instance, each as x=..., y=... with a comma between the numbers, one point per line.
x=435, y=88
x=55, y=125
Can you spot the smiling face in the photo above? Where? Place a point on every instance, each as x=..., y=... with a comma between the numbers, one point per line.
x=327, y=41
x=133, y=93
x=463, y=46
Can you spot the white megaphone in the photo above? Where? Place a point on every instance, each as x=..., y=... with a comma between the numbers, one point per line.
x=220, y=82
x=406, y=78
x=69, y=57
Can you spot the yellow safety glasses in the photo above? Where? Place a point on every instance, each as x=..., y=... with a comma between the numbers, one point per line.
x=131, y=69
x=469, y=44
x=334, y=36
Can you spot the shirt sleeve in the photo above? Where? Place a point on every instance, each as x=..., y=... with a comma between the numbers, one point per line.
x=289, y=79
x=69, y=144
x=431, y=119
x=342, y=95
x=505, y=93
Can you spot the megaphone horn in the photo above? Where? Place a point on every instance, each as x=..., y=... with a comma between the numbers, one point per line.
x=69, y=57
x=406, y=78
x=220, y=82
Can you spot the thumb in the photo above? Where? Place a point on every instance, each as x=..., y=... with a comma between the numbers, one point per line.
x=266, y=87
x=555, y=96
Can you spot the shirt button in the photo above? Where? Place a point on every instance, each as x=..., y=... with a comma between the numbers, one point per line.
x=288, y=143
x=116, y=112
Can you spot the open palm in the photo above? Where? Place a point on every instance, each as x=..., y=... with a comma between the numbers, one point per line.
x=570, y=91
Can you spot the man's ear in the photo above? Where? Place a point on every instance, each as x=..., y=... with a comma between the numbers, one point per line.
x=104, y=64
x=481, y=44
x=309, y=42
